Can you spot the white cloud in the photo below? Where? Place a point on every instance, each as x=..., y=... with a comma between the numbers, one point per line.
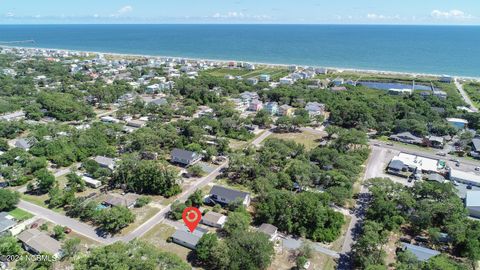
x=236, y=15
x=373, y=16
x=9, y=15
x=453, y=14
x=125, y=9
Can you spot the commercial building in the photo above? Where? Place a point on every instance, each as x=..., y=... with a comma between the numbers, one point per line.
x=472, y=203
x=464, y=177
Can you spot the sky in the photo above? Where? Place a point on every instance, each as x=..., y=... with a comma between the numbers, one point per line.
x=241, y=11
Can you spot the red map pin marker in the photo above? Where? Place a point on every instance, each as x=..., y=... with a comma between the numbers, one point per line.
x=191, y=216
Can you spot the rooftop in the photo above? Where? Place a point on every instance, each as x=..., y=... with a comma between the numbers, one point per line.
x=473, y=199
x=422, y=254
x=464, y=175
x=40, y=241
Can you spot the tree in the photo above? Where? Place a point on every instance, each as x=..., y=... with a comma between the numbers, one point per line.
x=8, y=199
x=45, y=180
x=238, y=221
x=251, y=250
x=10, y=246
x=205, y=247
x=58, y=232
x=71, y=247
x=196, y=199
x=55, y=198
x=142, y=201
x=195, y=171
x=114, y=219
x=368, y=249
x=132, y=255
x=177, y=210
x=75, y=182
x=262, y=118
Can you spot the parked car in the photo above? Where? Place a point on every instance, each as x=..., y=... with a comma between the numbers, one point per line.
x=469, y=187
x=442, y=154
x=477, y=168
x=457, y=164
x=67, y=230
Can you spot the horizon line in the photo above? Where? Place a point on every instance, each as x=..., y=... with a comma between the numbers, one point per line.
x=239, y=23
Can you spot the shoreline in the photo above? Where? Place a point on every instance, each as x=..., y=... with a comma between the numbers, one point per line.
x=279, y=65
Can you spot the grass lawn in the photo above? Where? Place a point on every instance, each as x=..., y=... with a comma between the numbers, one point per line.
x=141, y=216
x=308, y=139
x=40, y=201
x=275, y=73
x=20, y=214
x=473, y=91
x=158, y=236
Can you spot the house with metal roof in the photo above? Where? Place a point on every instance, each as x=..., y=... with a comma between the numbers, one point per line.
x=128, y=200
x=214, y=219
x=224, y=196
x=464, y=177
x=407, y=137
x=25, y=143
x=184, y=157
x=421, y=253
x=188, y=239
x=37, y=242
x=158, y=102
x=472, y=203
x=6, y=223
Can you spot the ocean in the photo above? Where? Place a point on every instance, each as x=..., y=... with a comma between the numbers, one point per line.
x=452, y=50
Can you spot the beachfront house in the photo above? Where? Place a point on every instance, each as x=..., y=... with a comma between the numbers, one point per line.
x=264, y=78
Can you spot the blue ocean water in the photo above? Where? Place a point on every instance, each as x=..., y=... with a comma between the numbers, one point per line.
x=452, y=50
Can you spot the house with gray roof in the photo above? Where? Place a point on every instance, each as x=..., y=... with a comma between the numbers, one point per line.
x=184, y=157
x=105, y=162
x=37, y=242
x=475, y=147
x=158, y=102
x=6, y=223
x=421, y=253
x=25, y=143
x=315, y=108
x=188, y=239
x=225, y=196
x=407, y=137
x=270, y=230
x=214, y=219
x=472, y=203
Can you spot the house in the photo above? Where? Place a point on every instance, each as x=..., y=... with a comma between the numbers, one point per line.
x=105, y=162
x=25, y=143
x=271, y=108
x=464, y=177
x=136, y=123
x=421, y=253
x=214, y=219
x=315, y=108
x=440, y=94
x=128, y=200
x=255, y=105
x=457, y=123
x=446, y=79
x=475, y=147
x=39, y=242
x=436, y=142
x=407, y=137
x=91, y=182
x=435, y=177
x=188, y=239
x=6, y=223
x=286, y=110
x=158, y=102
x=472, y=203
x=338, y=81
x=286, y=81
x=252, y=81
x=404, y=163
x=225, y=196
x=264, y=78
x=185, y=157
x=270, y=230
x=109, y=119
x=247, y=97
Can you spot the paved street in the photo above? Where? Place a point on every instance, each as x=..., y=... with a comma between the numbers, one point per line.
x=261, y=138
x=465, y=95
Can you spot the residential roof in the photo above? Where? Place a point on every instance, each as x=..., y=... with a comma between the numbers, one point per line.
x=190, y=238
x=456, y=174
x=6, y=222
x=422, y=163
x=159, y=102
x=23, y=143
x=422, y=254
x=105, y=161
x=396, y=165
x=229, y=194
x=40, y=241
x=457, y=120
x=476, y=143
x=184, y=154
x=268, y=229
x=473, y=198
x=117, y=200
x=314, y=106
x=212, y=217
